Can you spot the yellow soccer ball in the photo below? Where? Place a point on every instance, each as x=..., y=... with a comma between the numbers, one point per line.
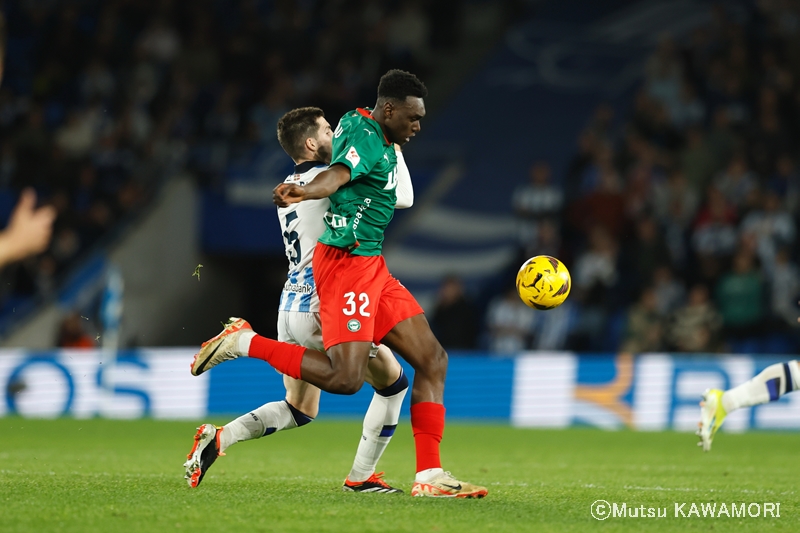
x=543, y=282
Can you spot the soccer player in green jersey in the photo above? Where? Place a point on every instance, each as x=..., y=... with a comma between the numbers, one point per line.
x=360, y=301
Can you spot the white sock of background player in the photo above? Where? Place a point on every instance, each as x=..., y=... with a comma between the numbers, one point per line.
x=379, y=425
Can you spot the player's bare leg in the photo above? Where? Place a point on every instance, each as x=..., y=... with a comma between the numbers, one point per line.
x=302, y=395
x=341, y=371
x=414, y=341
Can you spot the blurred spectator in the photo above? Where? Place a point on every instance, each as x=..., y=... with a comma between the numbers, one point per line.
x=600, y=125
x=200, y=60
x=721, y=140
x=772, y=226
x=71, y=333
x=697, y=160
x=265, y=114
x=510, y=323
x=785, y=182
x=547, y=242
x=674, y=199
x=696, y=326
x=644, y=329
x=639, y=192
x=160, y=41
x=736, y=181
x=663, y=73
x=594, y=277
x=76, y=136
x=603, y=207
x=601, y=161
x=714, y=239
x=785, y=290
x=689, y=108
x=97, y=81
x=32, y=140
x=740, y=297
x=454, y=319
x=648, y=252
x=587, y=144
x=535, y=203
x=408, y=33
x=670, y=293
x=767, y=138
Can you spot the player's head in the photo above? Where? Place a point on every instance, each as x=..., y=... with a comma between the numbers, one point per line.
x=305, y=135
x=400, y=106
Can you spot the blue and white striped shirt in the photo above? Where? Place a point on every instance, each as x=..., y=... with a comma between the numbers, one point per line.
x=302, y=224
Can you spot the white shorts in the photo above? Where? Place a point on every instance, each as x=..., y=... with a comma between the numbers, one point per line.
x=304, y=329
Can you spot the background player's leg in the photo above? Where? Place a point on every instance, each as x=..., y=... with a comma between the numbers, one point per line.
x=210, y=442
x=386, y=377
x=298, y=409
x=768, y=386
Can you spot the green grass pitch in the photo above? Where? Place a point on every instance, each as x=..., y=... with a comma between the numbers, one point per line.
x=127, y=476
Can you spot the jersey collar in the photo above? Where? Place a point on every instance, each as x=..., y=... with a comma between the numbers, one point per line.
x=305, y=166
x=367, y=113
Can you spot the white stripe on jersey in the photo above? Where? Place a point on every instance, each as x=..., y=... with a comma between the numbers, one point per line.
x=302, y=224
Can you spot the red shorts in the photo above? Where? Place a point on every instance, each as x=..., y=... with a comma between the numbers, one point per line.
x=359, y=300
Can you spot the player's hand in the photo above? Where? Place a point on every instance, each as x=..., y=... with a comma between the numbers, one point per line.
x=28, y=230
x=287, y=193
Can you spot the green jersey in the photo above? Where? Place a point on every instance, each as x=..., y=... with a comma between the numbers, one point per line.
x=361, y=209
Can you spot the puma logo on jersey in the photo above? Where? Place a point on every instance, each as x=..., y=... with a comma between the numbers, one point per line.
x=369, y=132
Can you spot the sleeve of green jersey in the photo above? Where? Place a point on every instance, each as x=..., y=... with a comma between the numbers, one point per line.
x=358, y=150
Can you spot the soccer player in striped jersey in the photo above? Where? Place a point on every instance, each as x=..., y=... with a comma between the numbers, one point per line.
x=768, y=386
x=360, y=301
x=306, y=137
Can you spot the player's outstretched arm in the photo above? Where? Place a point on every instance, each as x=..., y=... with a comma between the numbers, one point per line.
x=325, y=184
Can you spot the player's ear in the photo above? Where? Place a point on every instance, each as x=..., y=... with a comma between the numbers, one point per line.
x=388, y=109
x=311, y=144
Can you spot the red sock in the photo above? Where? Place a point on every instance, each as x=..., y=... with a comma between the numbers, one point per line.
x=427, y=421
x=284, y=357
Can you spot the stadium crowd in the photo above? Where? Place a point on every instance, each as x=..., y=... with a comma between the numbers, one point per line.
x=680, y=224
x=103, y=100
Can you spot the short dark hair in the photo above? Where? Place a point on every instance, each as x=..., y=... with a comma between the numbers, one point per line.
x=399, y=85
x=295, y=127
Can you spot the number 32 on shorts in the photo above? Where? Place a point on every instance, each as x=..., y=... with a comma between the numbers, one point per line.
x=350, y=304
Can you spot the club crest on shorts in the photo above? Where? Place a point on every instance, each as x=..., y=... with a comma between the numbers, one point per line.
x=353, y=325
